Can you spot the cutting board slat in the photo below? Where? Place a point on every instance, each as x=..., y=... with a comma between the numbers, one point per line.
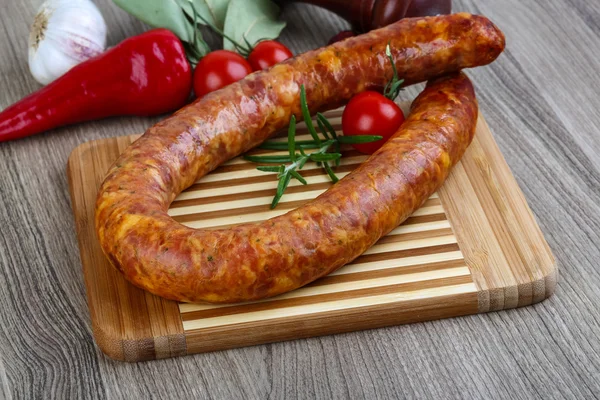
x=473, y=247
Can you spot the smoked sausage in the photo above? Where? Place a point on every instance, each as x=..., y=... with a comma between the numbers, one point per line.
x=254, y=261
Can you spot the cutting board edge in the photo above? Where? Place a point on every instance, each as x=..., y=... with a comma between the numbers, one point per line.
x=337, y=322
x=145, y=347
x=110, y=336
x=510, y=228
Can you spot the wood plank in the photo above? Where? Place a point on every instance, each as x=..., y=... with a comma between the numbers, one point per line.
x=499, y=236
x=345, y=299
x=129, y=324
x=427, y=304
x=479, y=212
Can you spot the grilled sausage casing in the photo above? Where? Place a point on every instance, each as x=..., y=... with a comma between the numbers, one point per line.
x=253, y=261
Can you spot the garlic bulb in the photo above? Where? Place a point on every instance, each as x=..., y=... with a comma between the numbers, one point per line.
x=64, y=34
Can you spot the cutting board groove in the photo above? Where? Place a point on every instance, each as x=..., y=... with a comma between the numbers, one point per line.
x=472, y=247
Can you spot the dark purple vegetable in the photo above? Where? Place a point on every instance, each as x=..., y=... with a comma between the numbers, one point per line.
x=340, y=36
x=418, y=8
x=365, y=15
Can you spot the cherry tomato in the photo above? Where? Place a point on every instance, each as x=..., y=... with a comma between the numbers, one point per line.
x=218, y=69
x=268, y=53
x=342, y=35
x=371, y=113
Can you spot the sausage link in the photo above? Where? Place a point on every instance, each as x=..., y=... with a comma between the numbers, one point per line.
x=254, y=261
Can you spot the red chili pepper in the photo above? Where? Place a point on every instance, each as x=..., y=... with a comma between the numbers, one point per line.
x=144, y=75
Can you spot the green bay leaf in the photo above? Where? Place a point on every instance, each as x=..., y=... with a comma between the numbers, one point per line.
x=160, y=14
x=218, y=8
x=212, y=11
x=251, y=21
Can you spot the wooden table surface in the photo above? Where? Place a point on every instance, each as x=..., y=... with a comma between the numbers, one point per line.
x=541, y=101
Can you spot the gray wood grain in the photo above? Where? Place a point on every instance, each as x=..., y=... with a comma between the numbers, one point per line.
x=541, y=101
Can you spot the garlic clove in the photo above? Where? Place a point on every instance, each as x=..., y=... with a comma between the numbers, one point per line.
x=64, y=34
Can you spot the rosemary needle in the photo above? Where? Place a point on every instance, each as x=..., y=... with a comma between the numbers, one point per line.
x=327, y=146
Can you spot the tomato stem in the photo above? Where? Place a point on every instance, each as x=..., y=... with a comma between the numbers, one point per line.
x=245, y=51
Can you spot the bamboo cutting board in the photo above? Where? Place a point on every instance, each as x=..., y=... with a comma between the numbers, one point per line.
x=473, y=247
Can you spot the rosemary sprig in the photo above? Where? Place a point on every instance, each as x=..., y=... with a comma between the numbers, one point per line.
x=306, y=116
x=327, y=150
x=304, y=144
x=393, y=87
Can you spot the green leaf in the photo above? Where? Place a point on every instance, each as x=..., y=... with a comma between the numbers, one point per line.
x=327, y=124
x=326, y=146
x=207, y=19
x=197, y=48
x=323, y=129
x=303, y=160
x=267, y=168
x=359, y=139
x=281, y=186
x=392, y=88
x=292, y=138
x=388, y=53
x=281, y=171
x=269, y=159
x=213, y=11
x=297, y=175
x=273, y=145
x=251, y=21
x=160, y=14
x=330, y=172
x=296, y=161
x=306, y=116
x=312, y=145
x=325, y=157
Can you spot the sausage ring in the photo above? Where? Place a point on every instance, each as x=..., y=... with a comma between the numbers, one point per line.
x=254, y=261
